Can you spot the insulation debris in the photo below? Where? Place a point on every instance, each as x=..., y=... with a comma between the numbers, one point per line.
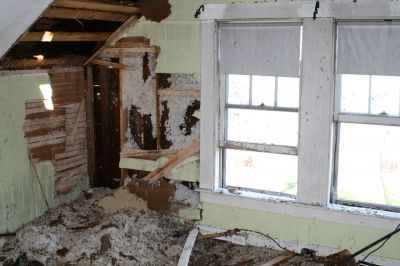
x=129, y=237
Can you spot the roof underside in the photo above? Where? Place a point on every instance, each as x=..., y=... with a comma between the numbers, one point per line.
x=70, y=33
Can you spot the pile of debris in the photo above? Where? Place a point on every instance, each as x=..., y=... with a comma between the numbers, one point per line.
x=81, y=233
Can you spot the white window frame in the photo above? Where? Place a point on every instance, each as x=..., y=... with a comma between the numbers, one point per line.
x=316, y=114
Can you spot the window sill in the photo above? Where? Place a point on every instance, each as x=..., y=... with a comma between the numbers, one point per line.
x=287, y=206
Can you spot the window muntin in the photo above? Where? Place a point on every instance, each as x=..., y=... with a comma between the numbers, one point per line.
x=260, y=111
x=367, y=118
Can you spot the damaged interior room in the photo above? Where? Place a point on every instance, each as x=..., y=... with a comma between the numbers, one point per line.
x=200, y=132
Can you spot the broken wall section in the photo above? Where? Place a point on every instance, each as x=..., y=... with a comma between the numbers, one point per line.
x=59, y=135
x=160, y=116
x=21, y=199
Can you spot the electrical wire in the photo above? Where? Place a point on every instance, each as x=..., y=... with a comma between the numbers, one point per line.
x=267, y=236
x=383, y=243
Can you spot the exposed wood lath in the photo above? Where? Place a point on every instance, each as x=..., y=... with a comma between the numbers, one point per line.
x=60, y=135
x=78, y=29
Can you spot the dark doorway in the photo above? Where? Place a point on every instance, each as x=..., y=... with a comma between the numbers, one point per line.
x=106, y=91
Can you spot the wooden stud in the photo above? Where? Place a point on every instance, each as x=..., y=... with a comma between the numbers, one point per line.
x=172, y=92
x=90, y=126
x=71, y=13
x=113, y=38
x=158, y=123
x=83, y=4
x=110, y=64
x=60, y=36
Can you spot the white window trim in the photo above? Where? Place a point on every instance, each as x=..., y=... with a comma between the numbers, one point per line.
x=316, y=108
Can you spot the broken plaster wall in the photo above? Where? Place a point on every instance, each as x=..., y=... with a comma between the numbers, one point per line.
x=139, y=101
x=21, y=199
x=179, y=39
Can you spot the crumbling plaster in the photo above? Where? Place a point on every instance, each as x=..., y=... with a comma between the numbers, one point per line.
x=21, y=199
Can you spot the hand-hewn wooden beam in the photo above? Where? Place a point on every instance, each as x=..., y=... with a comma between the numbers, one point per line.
x=113, y=38
x=61, y=36
x=82, y=4
x=111, y=64
x=71, y=13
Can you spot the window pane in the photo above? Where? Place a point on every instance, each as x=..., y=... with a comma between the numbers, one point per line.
x=354, y=93
x=385, y=95
x=262, y=171
x=288, y=92
x=369, y=164
x=263, y=90
x=238, y=89
x=259, y=126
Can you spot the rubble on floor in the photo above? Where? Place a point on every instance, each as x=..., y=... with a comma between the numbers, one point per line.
x=215, y=252
x=81, y=233
x=101, y=228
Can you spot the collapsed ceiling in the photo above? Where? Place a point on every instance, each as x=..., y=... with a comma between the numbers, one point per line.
x=70, y=33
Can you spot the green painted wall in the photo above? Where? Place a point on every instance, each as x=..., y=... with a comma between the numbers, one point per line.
x=20, y=197
x=299, y=230
x=179, y=39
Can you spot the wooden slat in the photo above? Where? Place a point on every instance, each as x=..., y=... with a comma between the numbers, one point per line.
x=111, y=64
x=280, y=259
x=112, y=52
x=60, y=36
x=115, y=36
x=82, y=4
x=139, y=153
x=173, y=161
x=71, y=13
x=9, y=63
x=172, y=92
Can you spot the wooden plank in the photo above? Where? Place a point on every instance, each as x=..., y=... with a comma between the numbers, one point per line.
x=60, y=156
x=172, y=92
x=132, y=42
x=285, y=256
x=111, y=64
x=112, y=52
x=65, y=161
x=71, y=13
x=188, y=247
x=70, y=165
x=173, y=161
x=60, y=36
x=115, y=36
x=90, y=5
x=138, y=153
